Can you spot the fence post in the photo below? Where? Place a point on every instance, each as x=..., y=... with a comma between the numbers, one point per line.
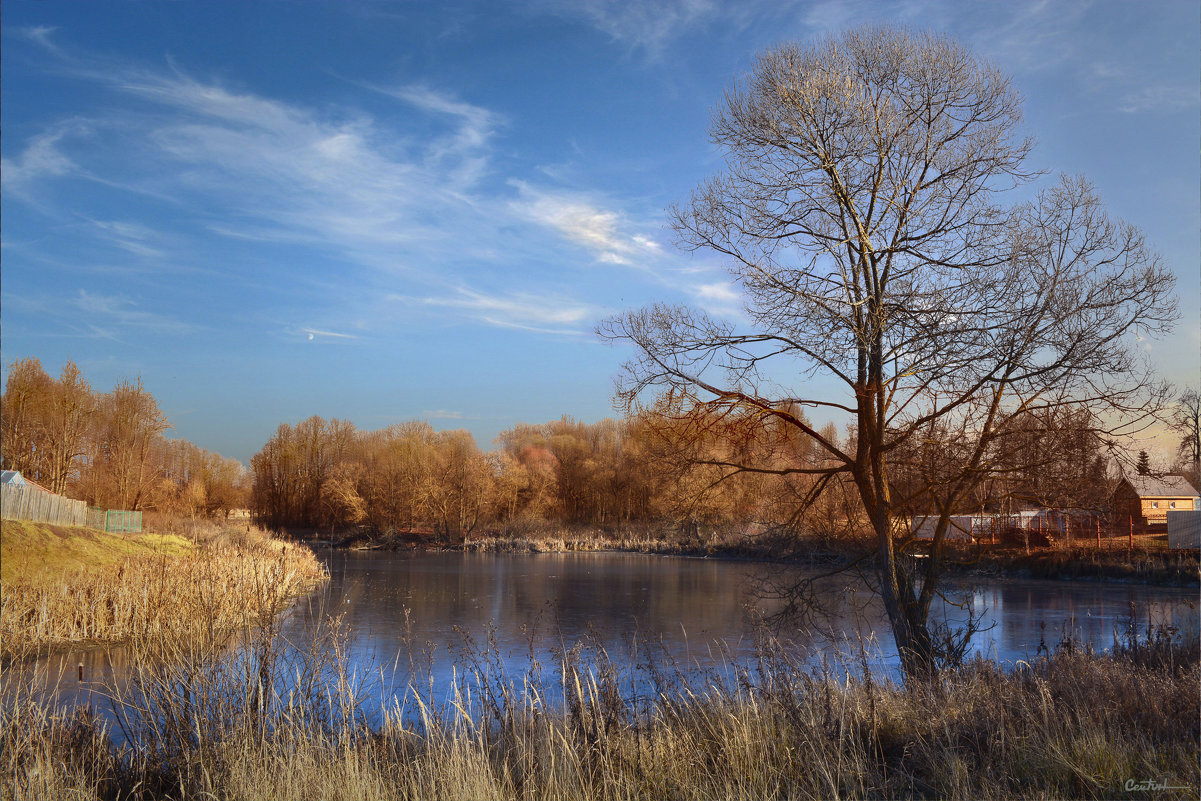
x=1131, y=548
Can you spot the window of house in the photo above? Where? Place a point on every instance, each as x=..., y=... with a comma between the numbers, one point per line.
x=1154, y=504
x=1171, y=504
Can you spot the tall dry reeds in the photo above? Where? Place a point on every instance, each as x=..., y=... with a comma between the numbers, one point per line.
x=229, y=580
x=265, y=720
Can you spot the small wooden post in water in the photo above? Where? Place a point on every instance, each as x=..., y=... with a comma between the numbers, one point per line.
x=81, y=672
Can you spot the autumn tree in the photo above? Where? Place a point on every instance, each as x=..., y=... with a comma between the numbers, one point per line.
x=108, y=448
x=884, y=281
x=458, y=484
x=45, y=422
x=527, y=473
x=129, y=426
x=396, y=475
x=26, y=390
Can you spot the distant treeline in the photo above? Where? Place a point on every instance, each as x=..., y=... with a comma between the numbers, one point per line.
x=670, y=465
x=108, y=448
x=678, y=463
x=659, y=467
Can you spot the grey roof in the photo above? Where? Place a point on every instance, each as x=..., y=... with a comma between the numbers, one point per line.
x=11, y=477
x=1162, y=486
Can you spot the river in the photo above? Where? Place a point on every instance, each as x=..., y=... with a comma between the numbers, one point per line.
x=417, y=616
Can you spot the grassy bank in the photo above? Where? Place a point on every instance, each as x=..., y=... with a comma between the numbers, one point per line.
x=1145, y=565
x=1148, y=562
x=69, y=585
x=291, y=726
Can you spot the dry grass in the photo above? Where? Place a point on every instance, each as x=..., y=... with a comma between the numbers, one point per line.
x=31, y=552
x=1156, y=565
x=264, y=721
x=134, y=588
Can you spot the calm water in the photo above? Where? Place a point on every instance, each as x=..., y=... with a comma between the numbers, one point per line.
x=417, y=614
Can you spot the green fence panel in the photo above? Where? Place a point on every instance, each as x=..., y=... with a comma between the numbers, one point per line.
x=117, y=521
x=124, y=522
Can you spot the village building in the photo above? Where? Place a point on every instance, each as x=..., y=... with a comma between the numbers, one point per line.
x=1145, y=501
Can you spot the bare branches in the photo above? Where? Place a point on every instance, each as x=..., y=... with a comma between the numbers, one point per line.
x=860, y=210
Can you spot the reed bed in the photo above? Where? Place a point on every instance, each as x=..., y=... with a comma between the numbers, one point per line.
x=266, y=720
x=225, y=582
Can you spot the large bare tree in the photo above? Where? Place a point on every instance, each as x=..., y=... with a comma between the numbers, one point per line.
x=884, y=281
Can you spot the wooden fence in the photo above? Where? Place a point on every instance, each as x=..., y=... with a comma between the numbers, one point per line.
x=34, y=503
x=26, y=502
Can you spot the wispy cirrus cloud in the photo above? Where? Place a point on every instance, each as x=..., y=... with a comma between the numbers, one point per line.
x=1160, y=98
x=131, y=236
x=110, y=312
x=720, y=298
x=41, y=159
x=400, y=192
x=464, y=149
x=605, y=233
x=647, y=27
x=40, y=35
x=541, y=313
x=270, y=171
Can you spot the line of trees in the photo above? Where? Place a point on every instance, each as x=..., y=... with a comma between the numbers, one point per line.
x=671, y=464
x=678, y=465
x=109, y=448
x=653, y=467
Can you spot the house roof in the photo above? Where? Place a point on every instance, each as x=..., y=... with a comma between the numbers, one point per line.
x=11, y=477
x=1161, y=486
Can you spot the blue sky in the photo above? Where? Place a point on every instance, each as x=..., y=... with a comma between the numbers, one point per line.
x=387, y=211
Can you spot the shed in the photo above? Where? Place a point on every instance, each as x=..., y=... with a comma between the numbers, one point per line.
x=1146, y=500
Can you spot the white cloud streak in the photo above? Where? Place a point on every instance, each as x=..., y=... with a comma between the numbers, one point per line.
x=41, y=159
x=349, y=185
x=643, y=26
x=101, y=311
x=602, y=232
x=547, y=314
x=317, y=332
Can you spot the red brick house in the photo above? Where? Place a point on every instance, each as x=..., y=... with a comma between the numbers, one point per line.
x=1147, y=499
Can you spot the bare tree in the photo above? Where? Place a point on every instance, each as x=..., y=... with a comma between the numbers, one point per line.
x=1186, y=422
x=860, y=212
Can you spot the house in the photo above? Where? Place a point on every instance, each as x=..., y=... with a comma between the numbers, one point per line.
x=13, y=478
x=1146, y=500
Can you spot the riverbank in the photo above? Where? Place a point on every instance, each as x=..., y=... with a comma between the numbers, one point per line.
x=1074, y=725
x=1148, y=562
x=65, y=586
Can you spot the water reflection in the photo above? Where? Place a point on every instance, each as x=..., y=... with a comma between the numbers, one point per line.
x=410, y=614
